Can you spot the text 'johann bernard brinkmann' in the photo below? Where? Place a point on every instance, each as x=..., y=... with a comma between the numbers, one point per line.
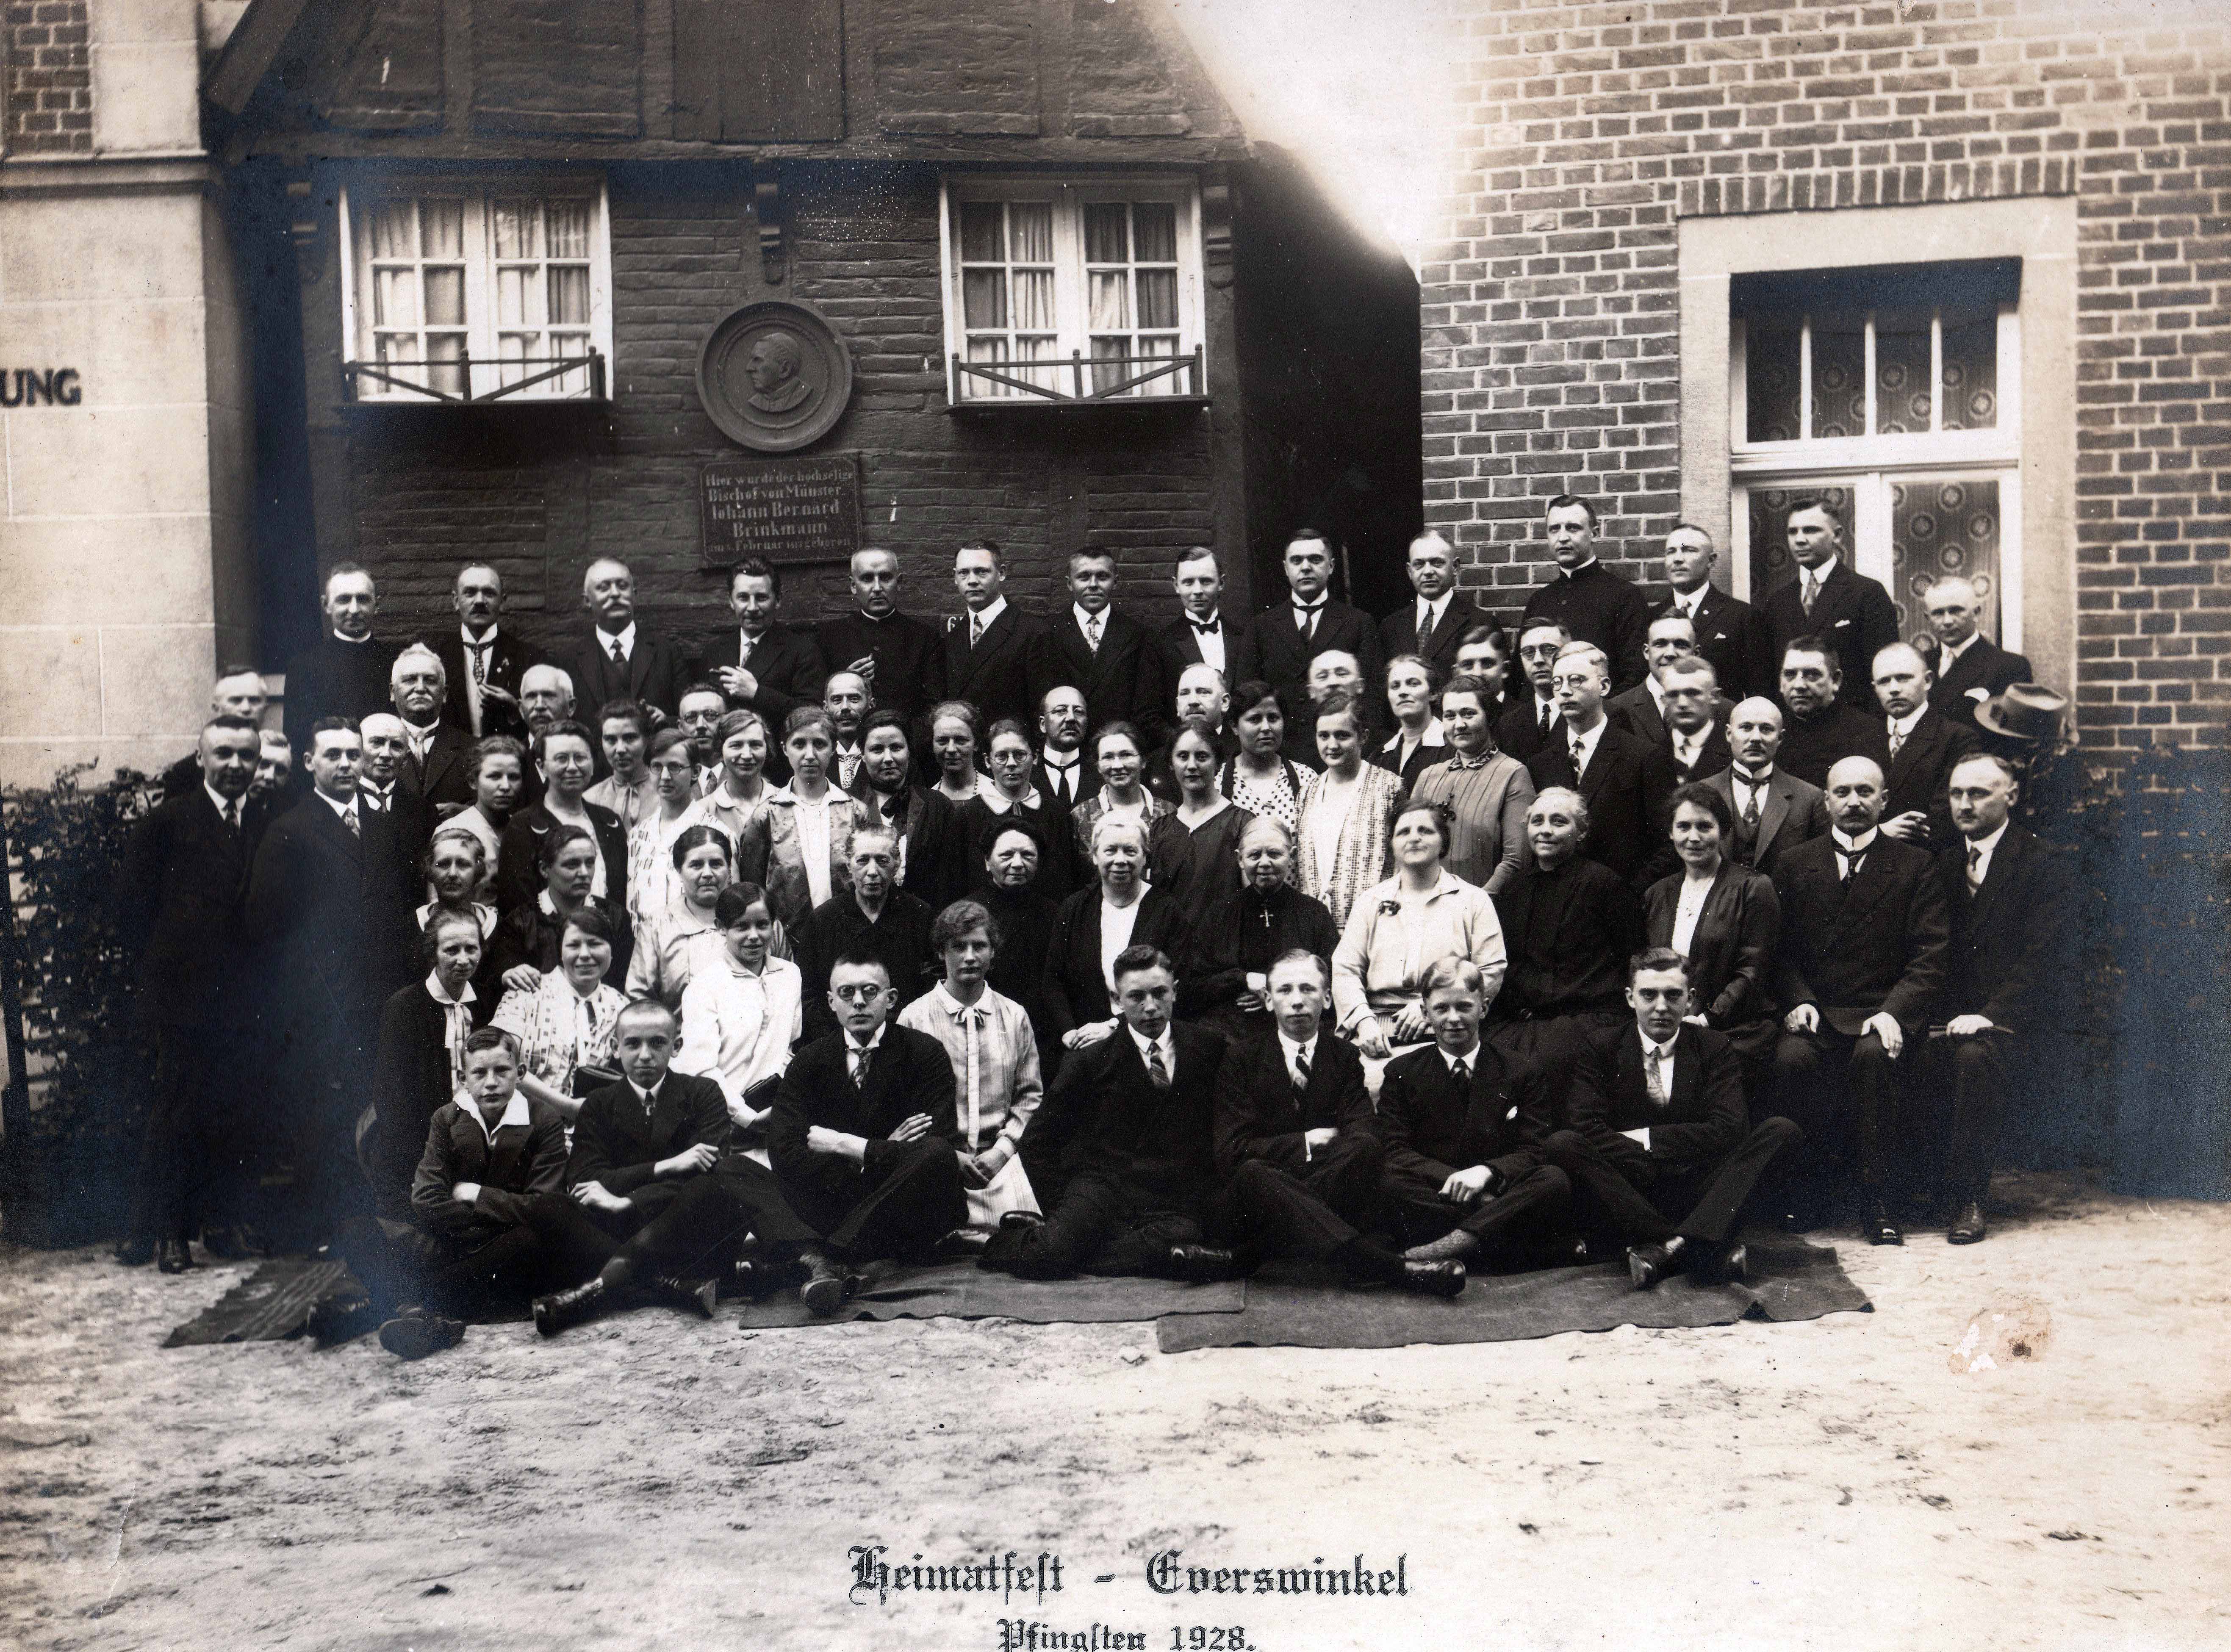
x=1010, y=1574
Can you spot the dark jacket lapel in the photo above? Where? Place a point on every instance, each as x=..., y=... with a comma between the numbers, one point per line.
x=1772, y=812
x=1868, y=885
x=2006, y=866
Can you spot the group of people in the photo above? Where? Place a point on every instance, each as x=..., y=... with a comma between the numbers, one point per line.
x=1069, y=943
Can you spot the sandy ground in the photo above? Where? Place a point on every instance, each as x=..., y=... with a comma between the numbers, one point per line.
x=653, y=1481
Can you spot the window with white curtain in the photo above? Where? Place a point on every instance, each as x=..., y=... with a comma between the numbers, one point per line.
x=1061, y=291
x=459, y=290
x=1894, y=394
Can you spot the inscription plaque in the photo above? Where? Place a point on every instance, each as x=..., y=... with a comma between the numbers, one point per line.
x=790, y=511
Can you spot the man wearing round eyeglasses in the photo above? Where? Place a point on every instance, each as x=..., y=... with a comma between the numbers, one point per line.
x=862, y=1135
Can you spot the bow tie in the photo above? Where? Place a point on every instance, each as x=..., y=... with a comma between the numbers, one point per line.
x=1206, y=627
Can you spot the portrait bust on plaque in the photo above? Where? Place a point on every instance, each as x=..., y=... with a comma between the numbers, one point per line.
x=774, y=376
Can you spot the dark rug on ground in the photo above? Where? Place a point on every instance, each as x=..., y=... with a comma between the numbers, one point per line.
x=269, y=1305
x=962, y=1290
x=1301, y=1305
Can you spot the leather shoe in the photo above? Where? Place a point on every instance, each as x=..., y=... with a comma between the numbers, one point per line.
x=172, y=1256
x=1876, y=1226
x=414, y=1333
x=757, y=1278
x=135, y=1253
x=1647, y=1264
x=825, y=1287
x=337, y=1320
x=561, y=1309
x=690, y=1295
x=1017, y=1220
x=963, y=1244
x=1203, y=1264
x=1968, y=1226
x=1730, y=1265
x=1433, y=1279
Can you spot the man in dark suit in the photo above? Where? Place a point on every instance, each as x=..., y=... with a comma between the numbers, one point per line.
x=862, y=1135
x=654, y=1205
x=2009, y=896
x=992, y=649
x=1852, y=614
x=1462, y=1126
x=1483, y=653
x=1920, y=749
x=1820, y=727
x=1201, y=694
x=1593, y=604
x=1532, y=721
x=1064, y=773
x=1296, y=1143
x=1729, y=632
x=769, y=668
x=1625, y=781
x=328, y=907
x=617, y=658
x=1202, y=634
x=344, y=673
x=1970, y=668
x=1661, y=1152
x=1643, y=708
x=1282, y=641
x=435, y=781
x=1101, y=651
x=1121, y=1153
x=480, y=664
x=1696, y=718
x=901, y=660
x=179, y=901
x=1775, y=810
x=239, y=691
x=1433, y=626
x=382, y=789
x=873, y=918
x=1865, y=938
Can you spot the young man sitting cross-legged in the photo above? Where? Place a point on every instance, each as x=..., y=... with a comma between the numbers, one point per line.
x=862, y=1134
x=1122, y=1155
x=466, y=1248
x=1661, y=1151
x=1294, y=1138
x=1464, y=1125
x=651, y=1206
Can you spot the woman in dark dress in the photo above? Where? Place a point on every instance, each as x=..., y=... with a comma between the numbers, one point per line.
x=1235, y=944
x=1192, y=852
x=1013, y=851
x=1121, y=907
x=1727, y=921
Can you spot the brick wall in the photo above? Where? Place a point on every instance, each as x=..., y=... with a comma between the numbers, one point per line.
x=49, y=79
x=864, y=248
x=1585, y=132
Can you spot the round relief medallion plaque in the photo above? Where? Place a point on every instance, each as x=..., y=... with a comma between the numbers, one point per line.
x=774, y=376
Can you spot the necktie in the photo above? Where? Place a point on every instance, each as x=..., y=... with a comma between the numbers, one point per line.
x=1156, y=1072
x=1653, y=1078
x=1853, y=859
x=355, y=829
x=1580, y=756
x=975, y=629
x=479, y=652
x=584, y=1033
x=1305, y=621
x=232, y=824
x=461, y=1028
x=1808, y=589
x=618, y=658
x=1301, y=1070
x=1974, y=867
x=1064, y=788
x=859, y=1065
x=1549, y=715
x=1462, y=1072
x=1092, y=633
x=971, y=1019
x=1751, y=809
x=1425, y=625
